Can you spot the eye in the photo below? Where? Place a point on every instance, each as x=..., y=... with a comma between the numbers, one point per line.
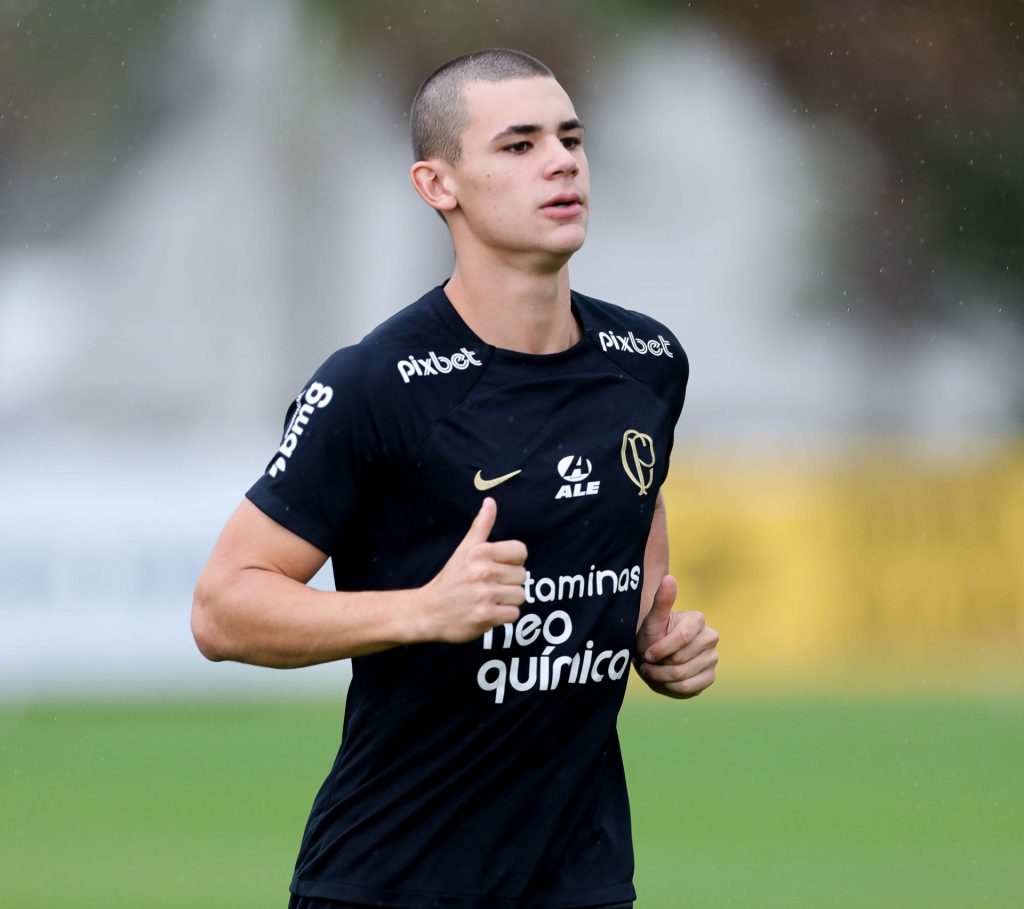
x=572, y=141
x=518, y=148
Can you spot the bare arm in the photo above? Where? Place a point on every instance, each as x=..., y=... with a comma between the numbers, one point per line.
x=655, y=558
x=252, y=604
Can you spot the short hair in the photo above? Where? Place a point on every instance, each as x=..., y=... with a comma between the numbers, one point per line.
x=438, y=116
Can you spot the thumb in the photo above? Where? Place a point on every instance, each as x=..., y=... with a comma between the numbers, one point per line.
x=480, y=529
x=664, y=599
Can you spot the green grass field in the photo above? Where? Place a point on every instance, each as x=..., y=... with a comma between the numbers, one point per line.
x=747, y=803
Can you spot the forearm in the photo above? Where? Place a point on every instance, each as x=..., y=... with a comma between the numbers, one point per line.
x=655, y=558
x=263, y=617
x=252, y=604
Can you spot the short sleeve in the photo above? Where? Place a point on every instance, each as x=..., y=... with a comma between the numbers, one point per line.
x=311, y=485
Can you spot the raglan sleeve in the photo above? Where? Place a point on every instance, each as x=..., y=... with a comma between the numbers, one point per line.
x=330, y=442
x=679, y=377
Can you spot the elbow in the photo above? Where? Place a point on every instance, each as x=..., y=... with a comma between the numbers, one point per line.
x=206, y=631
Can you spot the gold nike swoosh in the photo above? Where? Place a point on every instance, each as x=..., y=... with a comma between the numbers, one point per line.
x=483, y=485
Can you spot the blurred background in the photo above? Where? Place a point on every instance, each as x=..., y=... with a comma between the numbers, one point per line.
x=199, y=201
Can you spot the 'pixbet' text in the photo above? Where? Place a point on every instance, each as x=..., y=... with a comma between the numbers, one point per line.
x=433, y=365
x=630, y=343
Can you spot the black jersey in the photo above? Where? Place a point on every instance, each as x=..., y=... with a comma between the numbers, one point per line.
x=487, y=773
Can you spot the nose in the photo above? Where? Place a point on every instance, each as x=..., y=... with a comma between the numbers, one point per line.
x=561, y=161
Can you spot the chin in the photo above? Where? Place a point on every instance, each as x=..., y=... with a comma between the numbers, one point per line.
x=567, y=245
x=560, y=244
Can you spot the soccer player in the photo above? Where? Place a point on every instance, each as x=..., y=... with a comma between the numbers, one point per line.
x=484, y=471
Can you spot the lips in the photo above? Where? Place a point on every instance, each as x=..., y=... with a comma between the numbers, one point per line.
x=564, y=205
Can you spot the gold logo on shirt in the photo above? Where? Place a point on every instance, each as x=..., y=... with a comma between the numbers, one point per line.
x=483, y=485
x=638, y=458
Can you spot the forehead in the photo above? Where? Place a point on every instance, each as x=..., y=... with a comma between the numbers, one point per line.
x=493, y=106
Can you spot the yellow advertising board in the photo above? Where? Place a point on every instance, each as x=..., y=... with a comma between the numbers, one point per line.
x=880, y=569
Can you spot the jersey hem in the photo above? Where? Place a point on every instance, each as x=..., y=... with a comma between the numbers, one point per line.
x=282, y=513
x=431, y=899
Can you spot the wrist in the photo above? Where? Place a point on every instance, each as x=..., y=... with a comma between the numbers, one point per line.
x=415, y=624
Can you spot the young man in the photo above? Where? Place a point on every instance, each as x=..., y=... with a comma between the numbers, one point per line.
x=484, y=471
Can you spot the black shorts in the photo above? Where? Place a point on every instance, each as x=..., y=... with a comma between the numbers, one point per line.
x=312, y=902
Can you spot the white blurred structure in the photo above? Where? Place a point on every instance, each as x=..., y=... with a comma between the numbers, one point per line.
x=98, y=555
x=145, y=365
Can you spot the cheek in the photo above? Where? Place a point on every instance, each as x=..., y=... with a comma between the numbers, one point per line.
x=495, y=191
x=494, y=197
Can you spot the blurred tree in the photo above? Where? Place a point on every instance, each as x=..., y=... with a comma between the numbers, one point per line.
x=936, y=89
x=82, y=86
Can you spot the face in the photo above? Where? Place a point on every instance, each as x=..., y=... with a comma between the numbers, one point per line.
x=522, y=184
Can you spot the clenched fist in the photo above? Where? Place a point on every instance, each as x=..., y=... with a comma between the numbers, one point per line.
x=676, y=651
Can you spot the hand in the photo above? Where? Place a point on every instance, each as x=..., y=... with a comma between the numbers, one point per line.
x=480, y=586
x=676, y=653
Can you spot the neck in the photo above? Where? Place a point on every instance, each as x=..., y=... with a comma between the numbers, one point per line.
x=516, y=309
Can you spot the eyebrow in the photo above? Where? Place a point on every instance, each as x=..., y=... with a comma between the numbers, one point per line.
x=527, y=129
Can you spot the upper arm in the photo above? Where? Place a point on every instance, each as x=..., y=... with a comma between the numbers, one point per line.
x=250, y=539
x=241, y=583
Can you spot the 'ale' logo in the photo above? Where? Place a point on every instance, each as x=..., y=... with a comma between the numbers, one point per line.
x=575, y=470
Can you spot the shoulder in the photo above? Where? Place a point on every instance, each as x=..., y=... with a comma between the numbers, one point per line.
x=627, y=331
x=404, y=375
x=639, y=345
x=418, y=342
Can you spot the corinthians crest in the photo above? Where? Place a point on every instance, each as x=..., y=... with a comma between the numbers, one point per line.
x=638, y=458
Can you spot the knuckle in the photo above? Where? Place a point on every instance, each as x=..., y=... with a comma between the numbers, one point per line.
x=689, y=687
x=699, y=682
x=482, y=573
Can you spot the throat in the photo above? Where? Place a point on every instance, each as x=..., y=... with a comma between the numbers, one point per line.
x=518, y=315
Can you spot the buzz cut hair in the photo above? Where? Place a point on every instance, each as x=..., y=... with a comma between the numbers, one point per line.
x=439, y=116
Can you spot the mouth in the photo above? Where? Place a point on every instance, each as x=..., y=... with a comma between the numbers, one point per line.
x=564, y=205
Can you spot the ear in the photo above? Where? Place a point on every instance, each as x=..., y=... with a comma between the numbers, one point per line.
x=433, y=183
